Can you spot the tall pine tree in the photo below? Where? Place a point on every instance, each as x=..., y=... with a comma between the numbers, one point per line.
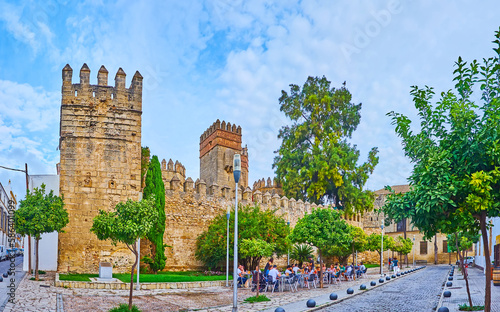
x=154, y=185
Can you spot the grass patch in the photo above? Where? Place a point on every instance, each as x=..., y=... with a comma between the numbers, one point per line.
x=466, y=307
x=171, y=277
x=77, y=277
x=124, y=308
x=39, y=280
x=161, y=277
x=260, y=298
x=39, y=272
x=372, y=266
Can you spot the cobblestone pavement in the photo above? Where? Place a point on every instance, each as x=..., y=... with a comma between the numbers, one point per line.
x=418, y=292
x=34, y=296
x=43, y=297
x=6, y=283
x=477, y=281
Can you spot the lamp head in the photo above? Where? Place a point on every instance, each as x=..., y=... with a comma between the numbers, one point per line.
x=236, y=167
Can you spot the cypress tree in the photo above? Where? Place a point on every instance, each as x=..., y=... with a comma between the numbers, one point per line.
x=154, y=185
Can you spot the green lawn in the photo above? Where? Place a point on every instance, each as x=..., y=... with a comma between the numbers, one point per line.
x=150, y=278
x=372, y=265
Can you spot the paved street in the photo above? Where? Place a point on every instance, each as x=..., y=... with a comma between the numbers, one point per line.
x=418, y=292
x=4, y=286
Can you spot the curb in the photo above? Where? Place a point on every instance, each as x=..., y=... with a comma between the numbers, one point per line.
x=333, y=302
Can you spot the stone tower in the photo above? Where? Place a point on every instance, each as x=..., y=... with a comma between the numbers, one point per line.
x=218, y=144
x=100, y=146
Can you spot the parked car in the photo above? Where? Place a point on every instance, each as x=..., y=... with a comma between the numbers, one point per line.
x=3, y=253
x=467, y=260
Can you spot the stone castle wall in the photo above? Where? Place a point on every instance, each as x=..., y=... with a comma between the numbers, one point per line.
x=191, y=206
x=100, y=148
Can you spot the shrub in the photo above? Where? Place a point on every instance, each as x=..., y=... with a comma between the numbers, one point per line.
x=124, y=308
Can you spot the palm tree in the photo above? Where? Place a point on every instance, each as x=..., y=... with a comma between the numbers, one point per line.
x=301, y=253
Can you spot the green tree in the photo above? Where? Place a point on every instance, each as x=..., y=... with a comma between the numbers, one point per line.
x=356, y=240
x=456, y=152
x=40, y=213
x=403, y=246
x=399, y=207
x=129, y=221
x=322, y=228
x=301, y=253
x=253, y=223
x=155, y=186
x=315, y=161
x=255, y=249
x=374, y=241
x=460, y=242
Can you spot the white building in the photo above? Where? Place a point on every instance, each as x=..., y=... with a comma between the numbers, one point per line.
x=5, y=195
x=47, y=258
x=493, y=240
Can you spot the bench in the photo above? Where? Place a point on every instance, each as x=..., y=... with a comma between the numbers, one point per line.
x=421, y=262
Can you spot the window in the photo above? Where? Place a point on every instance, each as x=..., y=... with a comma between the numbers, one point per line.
x=445, y=246
x=401, y=225
x=423, y=248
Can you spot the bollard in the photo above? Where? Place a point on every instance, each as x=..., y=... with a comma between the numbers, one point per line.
x=443, y=309
x=279, y=309
x=387, y=278
x=311, y=303
x=393, y=276
x=350, y=291
x=362, y=286
x=450, y=278
x=333, y=296
x=381, y=280
x=5, y=275
x=449, y=284
x=373, y=283
x=447, y=294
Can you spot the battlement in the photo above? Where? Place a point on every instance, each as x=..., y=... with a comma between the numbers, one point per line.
x=119, y=97
x=217, y=125
x=271, y=185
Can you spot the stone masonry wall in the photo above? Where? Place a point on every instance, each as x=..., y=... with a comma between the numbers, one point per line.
x=100, y=148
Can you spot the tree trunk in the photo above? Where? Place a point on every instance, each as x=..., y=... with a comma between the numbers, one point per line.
x=29, y=255
x=36, y=259
x=257, y=271
x=464, y=272
x=404, y=233
x=134, y=250
x=320, y=270
x=435, y=250
x=484, y=233
x=353, y=253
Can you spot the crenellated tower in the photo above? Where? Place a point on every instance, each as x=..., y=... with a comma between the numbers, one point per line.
x=218, y=144
x=100, y=147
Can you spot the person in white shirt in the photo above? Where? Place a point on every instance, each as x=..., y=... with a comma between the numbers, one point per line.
x=295, y=269
x=274, y=273
x=288, y=270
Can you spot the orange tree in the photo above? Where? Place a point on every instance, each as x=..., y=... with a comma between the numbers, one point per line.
x=253, y=224
x=456, y=153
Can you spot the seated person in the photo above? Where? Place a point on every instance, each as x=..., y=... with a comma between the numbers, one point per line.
x=274, y=274
x=361, y=270
x=348, y=271
x=288, y=270
x=258, y=279
x=241, y=279
x=295, y=269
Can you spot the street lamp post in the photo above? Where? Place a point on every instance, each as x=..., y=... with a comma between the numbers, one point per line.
x=382, y=249
x=288, y=258
x=228, y=213
x=236, y=174
x=414, y=250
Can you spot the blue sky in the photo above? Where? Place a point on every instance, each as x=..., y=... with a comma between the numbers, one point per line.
x=229, y=60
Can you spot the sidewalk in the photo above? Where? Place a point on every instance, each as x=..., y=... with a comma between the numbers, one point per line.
x=477, y=281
